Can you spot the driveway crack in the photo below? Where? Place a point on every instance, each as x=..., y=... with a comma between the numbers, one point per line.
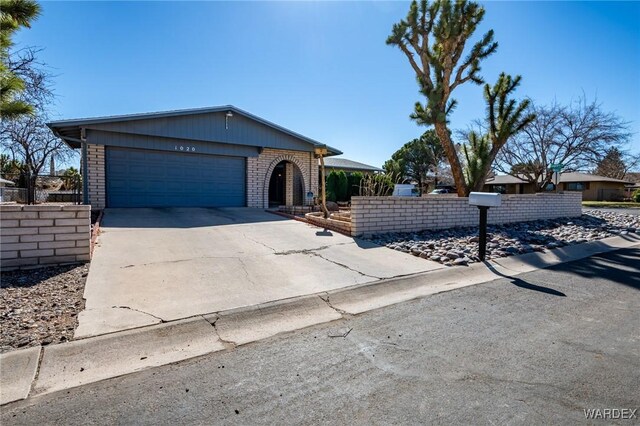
x=138, y=310
x=344, y=266
x=259, y=242
x=179, y=261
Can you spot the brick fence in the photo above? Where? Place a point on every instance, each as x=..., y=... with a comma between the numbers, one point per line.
x=371, y=215
x=44, y=235
x=317, y=218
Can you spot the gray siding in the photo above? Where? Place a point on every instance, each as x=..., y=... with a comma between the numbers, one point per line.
x=209, y=127
x=168, y=144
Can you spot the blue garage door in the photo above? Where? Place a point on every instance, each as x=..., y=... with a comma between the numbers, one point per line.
x=144, y=178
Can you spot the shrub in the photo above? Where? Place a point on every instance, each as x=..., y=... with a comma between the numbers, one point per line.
x=354, y=181
x=636, y=196
x=342, y=187
x=332, y=186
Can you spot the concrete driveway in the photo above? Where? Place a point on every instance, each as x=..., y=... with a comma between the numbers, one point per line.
x=154, y=265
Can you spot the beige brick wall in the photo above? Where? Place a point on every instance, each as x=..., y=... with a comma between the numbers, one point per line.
x=96, y=174
x=259, y=171
x=371, y=215
x=333, y=224
x=44, y=235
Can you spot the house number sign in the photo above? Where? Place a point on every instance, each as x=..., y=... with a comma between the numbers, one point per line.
x=185, y=148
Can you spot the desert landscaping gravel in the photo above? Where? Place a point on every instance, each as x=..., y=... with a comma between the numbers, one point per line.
x=459, y=246
x=40, y=306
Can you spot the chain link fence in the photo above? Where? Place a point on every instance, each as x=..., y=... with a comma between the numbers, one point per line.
x=26, y=188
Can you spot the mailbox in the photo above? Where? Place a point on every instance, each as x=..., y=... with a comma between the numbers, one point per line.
x=486, y=199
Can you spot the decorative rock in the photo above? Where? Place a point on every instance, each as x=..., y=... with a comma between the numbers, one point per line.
x=448, y=245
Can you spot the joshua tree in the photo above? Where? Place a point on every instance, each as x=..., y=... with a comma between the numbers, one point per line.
x=433, y=37
x=505, y=118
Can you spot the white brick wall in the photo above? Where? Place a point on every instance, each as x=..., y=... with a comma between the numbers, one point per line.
x=370, y=215
x=96, y=174
x=44, y=235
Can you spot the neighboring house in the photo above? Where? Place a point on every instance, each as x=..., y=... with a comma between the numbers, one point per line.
x=207, y=157
x=348, y=166
x=593, y=187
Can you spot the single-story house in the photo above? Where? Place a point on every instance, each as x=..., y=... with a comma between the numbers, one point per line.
x=207, y=157
x=349, y=166
x=593, y=187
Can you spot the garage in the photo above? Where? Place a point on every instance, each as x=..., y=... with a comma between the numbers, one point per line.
x=145, y=178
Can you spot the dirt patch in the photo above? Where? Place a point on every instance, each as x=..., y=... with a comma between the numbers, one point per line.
x=40, y=306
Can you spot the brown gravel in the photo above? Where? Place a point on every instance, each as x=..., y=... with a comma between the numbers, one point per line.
x=40, y=306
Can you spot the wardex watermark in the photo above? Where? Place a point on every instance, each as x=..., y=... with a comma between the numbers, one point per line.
x=610, y=413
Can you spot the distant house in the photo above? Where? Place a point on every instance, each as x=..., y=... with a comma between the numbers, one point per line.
x=593, y=187
x=348, y=166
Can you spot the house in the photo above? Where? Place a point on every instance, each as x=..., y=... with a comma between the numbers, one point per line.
x=207, y=157
x=593, y=187
x=349, y=166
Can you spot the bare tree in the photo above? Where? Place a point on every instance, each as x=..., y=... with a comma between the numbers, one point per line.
x=577, y=136
x=29, y=141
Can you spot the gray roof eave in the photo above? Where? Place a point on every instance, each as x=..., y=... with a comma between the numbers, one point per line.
x=58, y=125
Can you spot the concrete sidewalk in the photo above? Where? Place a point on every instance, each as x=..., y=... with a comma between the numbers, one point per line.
x=89, y=360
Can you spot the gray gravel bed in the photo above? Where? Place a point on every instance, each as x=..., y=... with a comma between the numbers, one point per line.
x=40, y=306
x=459, y=246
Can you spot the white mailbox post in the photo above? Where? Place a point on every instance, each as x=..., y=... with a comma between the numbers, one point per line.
x=484, y=200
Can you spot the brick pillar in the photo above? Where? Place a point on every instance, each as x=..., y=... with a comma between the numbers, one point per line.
x=288, y=175
x=96, y=176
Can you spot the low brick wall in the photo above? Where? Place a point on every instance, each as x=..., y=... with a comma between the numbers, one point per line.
x=371, y=215
x=44, y=235
x=317, y=218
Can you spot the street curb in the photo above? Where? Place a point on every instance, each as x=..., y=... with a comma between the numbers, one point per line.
x=17, y=371
x=103, y=357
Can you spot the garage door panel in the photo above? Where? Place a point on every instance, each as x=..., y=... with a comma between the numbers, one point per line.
x=138, y=178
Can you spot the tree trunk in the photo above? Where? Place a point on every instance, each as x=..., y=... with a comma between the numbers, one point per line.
x=324, y=188
x=454, y=161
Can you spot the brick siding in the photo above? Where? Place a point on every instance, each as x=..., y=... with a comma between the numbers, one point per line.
x=371, y=215
x=96, y=175
x=259, y=170
x=44, y=235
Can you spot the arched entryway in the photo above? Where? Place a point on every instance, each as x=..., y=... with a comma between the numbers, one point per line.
x=286, y=185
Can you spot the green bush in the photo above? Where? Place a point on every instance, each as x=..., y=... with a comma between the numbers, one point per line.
x=636, y=196
x=342, y=187
x=332, y=186
x=354, y=182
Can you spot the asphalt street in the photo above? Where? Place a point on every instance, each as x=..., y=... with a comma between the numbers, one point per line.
x=536, y=349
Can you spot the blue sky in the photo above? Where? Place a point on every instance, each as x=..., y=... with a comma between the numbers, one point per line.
x=322, y=68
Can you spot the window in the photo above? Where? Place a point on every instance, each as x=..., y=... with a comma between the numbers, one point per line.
x=575, y=186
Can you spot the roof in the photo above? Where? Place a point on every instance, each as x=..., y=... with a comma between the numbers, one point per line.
x=346, y=164
x=70, y=130
x=564, y=178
